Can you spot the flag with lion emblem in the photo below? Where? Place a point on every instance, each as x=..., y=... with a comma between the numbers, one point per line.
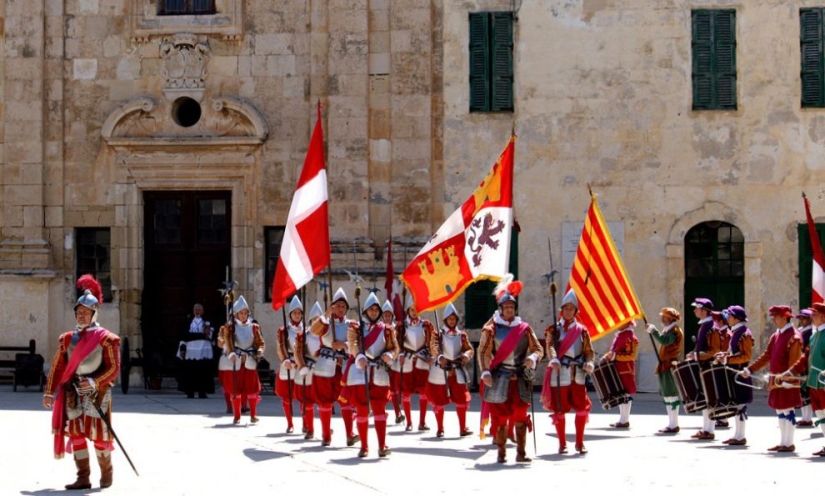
x=473, y=244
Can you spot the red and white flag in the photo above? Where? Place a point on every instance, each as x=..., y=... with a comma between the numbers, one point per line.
x=393, y=287
x=305, y=249
x=818, y=272
x=473, y=244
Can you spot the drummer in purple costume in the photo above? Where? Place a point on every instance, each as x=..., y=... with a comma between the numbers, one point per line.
x=737, y=356
x=707, y=346
x=671, y=340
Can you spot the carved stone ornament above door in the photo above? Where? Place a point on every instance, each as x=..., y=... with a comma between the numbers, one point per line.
x=185, y=58
x=144, y=124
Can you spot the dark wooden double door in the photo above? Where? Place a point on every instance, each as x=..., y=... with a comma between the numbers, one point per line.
x=187, y=249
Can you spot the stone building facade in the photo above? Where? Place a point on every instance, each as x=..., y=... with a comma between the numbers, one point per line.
x=110, y=105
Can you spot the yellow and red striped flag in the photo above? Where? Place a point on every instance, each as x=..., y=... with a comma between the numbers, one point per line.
x=606, y=297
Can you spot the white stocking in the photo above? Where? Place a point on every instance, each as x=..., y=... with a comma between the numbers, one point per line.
x=807, y=413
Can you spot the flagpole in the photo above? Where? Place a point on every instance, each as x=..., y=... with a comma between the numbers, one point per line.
x=328, y=290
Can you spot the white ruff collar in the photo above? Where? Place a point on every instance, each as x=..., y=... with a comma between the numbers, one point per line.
x=500, y=321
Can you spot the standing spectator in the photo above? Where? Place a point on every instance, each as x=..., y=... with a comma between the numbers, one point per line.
x=195, y=352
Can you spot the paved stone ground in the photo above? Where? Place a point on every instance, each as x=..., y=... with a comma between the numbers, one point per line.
x=190, y=447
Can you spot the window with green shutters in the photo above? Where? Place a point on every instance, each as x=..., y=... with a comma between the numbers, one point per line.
x=806, y=261
x=714, y=59
x=479, y=302
x=810, y=40
x=491, y=62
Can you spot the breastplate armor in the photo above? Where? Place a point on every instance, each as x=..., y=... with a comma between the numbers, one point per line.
x=451, y=346
x=91, y=363
x=292, y=331
x=243, y=336
x=341, y=329
x=312, y=344
x=518, y=355
x=377, y=348
x=379, y=374
x=574, y=350
x=414, y=336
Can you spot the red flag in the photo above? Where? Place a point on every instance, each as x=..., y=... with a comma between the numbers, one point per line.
x=818, y=275
x=473, y=244
x=391, y=287
x=606, y=297
x=305, y=249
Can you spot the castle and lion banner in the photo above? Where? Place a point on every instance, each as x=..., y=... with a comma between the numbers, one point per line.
x=473, y=244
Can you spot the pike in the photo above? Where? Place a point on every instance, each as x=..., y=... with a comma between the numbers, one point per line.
x=304, y=385
x=553, y=290
x=286, y=348
x=361, y=345
x=228, y=292
x=446, y=376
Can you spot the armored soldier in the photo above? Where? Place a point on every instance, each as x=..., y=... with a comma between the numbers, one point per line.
x=507, y=354
x=243, y=345
x=571, y=357
x=79, y=388
x=332, y=328
x=448, y=379
x=412, y=368
x=372, y=349
x=307, y=349
x=623, y=352
x=388, y=317
x=285, y=380
x=671, y=340
x=784, y=349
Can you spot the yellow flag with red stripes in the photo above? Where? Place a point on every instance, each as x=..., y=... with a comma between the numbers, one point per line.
x=606, y=297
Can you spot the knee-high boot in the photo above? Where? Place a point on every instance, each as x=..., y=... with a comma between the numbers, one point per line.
x=501, y=441
x=104, y=459
x=521, y=441
x=81, y=460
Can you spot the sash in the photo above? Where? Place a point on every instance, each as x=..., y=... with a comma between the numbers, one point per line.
x=568, y=341
x=369, y=340
x=508, y=344
x=86, y=345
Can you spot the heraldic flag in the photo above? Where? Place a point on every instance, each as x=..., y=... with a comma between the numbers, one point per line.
x=818, y=273
x=473, y=244
x=606, y=297
x=305, y=247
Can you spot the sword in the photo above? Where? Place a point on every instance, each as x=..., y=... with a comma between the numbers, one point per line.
x=109, y=426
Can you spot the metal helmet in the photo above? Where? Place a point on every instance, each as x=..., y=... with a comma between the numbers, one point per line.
x=387, y=307
x=449, y=310
x=295, y=304
x=88, y=300
x=339, y=296
x=315, y=311
x=505, y=297
x=372, y=300
x=570, y=297
x=240, y=304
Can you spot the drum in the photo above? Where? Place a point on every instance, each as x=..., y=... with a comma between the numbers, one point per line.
x=686, y=376
x=718, y=384
x=609, y=386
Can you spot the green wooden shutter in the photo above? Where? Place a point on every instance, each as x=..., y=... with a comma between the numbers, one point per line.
x=725, y=47
x=479, y=62
x=702, y=60
x=502, y=50
x=479, y=302
x=806, y=261
x=810, y=33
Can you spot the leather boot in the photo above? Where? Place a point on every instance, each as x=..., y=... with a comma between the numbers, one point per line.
x=104, y=459
x=81, y=459
x=501, y=441
x=521, y=441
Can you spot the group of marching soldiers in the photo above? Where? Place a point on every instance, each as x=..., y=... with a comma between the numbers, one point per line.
x=794, y=356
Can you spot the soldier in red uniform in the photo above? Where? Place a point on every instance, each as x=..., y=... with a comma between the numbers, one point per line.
x=83, y=370
x=388, y=317
x=508, y=353
x=623, y=352
x=571, y=357
x=333, y=328
x=372, y=350
x=448, y=379
x=784, y=349
x=243, y=345
x=307, y=348
x=285, y=340
x=412, y=368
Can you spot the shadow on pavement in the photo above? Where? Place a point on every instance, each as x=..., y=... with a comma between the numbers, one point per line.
x=259, y=455
x=450, y=453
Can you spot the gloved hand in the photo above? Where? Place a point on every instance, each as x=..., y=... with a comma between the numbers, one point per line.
x=651, y=328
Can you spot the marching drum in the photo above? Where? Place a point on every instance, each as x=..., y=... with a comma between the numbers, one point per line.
x=686, y=376
x=609, y=386
x=718, y=384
